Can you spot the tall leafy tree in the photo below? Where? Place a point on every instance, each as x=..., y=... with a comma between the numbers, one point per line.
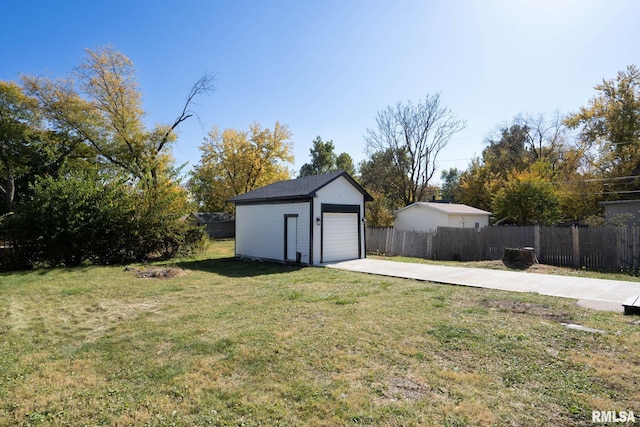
x=345, y=162
x=528, y=197
x=94, y=117
x=609, y=130
x=578, y=185
x=28, y=149
x=234, y=162
x=325, y=160
x=507, y=151
x=101, y=106
x=526, y=140
x=450, y=183
x=545, y=137
x=379, y=174
x=516, y=148
x=478, y=184
x=415, y=133
x=17, y=127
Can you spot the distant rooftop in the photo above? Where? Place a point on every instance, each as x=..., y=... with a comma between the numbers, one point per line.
x=450, y=208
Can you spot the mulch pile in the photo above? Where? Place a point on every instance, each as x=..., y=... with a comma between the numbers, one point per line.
x=156, y=272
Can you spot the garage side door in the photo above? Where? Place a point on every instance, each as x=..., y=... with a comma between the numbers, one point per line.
x=339, y=236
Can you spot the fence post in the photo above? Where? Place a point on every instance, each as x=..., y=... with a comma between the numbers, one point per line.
x=622, y=237
x=536, y=240
x=634, y=254
x=575, y=237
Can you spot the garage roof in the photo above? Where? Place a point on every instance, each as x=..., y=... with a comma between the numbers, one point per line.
x=296, y=188
x=449, y=208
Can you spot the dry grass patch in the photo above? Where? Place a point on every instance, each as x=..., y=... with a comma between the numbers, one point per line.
x=521, y=307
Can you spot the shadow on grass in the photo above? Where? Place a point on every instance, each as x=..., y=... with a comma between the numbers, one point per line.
x=516, y=265
x=233, y=267
x=42, y=271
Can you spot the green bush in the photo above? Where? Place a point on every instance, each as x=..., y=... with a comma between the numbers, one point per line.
x=86, y=218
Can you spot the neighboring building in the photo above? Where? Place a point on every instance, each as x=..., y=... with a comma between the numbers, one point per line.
x=428, y=216
x=622, y=212
x=219, y=225
x=310, y=220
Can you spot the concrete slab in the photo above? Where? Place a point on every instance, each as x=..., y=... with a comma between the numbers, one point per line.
x=598, y=294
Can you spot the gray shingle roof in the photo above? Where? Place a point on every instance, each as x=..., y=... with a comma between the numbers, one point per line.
x=296, y=188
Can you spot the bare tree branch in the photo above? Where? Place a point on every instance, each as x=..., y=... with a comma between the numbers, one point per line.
x=204, y=86
x=419, y=131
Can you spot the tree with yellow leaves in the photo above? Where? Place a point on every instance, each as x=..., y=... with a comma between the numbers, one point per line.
x=101, y=105
x=610, y=132
x=130, y=196
x=528, y=197
x=234, y=162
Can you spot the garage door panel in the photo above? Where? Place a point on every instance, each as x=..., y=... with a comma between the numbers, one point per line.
x=340, y=236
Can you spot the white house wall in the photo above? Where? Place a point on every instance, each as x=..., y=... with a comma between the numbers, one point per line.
x=468, y=221
x=261, y=234
x=338, y=192
x=419, y=218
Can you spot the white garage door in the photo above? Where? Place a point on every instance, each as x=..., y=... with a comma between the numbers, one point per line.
x=339, y=236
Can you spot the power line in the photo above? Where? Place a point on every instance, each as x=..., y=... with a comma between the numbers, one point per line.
x=617, y=178
x=618, y=192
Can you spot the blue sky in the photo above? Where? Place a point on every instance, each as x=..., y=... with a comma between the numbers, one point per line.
x=326, y=67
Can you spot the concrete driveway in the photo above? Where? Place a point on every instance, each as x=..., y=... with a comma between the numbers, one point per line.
x=597, y=294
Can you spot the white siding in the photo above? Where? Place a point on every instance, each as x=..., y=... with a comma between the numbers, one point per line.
x=260, y=230
x=418, y=218
x=468, y=221
x=422, y=218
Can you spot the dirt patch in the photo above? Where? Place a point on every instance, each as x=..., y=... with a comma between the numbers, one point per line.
x=157, y=272
x=520, y=266
x=520, y=307
x=401, y=388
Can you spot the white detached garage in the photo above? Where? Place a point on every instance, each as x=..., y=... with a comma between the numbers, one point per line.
x=311, y=220
x=428, y=216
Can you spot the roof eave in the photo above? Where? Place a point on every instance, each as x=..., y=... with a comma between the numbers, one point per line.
x=265, y=200
x=438, y=209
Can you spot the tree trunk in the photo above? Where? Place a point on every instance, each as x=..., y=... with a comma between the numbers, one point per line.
x=520, y=255
x=9, y=189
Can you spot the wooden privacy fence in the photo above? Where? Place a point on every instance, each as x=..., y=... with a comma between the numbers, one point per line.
x=388, y=241
x=605, y=248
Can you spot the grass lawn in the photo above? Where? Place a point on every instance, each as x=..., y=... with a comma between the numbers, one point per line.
x=224, y=342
